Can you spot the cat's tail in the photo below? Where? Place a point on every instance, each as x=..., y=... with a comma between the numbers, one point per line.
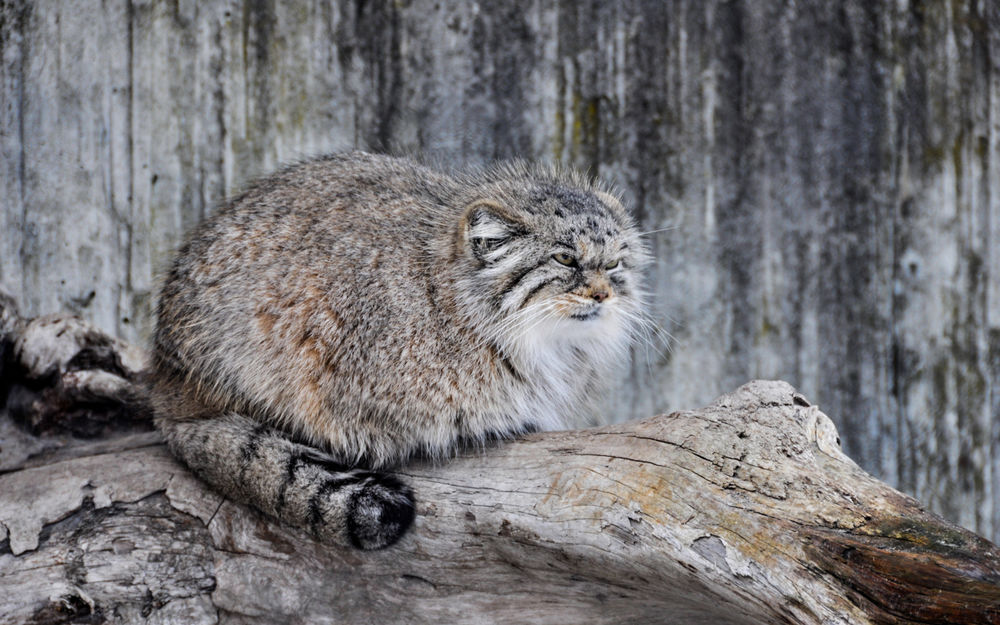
x=255, y=464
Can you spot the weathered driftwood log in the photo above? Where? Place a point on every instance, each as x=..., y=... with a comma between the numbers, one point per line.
x=743, y=512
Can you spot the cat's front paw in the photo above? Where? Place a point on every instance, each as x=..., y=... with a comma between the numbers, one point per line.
x=379, y=512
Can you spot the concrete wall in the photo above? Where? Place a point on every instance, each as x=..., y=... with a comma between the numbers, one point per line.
x=826, y=175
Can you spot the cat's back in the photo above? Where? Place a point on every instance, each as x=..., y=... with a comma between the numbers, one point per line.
x=322, y=265
x=316, y=217
x=340, y=200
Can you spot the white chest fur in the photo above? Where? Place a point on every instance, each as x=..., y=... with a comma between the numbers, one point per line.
x=564, y=363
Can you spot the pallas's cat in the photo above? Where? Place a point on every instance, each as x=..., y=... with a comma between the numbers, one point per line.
x=352, y=311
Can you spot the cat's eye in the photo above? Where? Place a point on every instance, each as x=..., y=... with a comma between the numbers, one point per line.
x=612, y=265
x=564, y=259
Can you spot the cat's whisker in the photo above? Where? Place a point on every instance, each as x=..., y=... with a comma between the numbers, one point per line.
x=530, y=322
x=648, y=232
x=640, y=333
x=507, y=326
x=645, y=329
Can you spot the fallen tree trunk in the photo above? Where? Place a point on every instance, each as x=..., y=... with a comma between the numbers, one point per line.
x=742, y=512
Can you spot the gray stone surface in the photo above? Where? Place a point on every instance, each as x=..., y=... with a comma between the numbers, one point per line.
x=827, y=175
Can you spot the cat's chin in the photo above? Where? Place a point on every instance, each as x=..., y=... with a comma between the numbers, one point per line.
x=578, y=329
x=589, y=314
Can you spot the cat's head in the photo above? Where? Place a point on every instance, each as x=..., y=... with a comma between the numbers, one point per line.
x=555, y=260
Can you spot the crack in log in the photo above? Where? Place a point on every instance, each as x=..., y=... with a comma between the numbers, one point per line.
x=217, y=508
x=622, y=458
x=683, y=445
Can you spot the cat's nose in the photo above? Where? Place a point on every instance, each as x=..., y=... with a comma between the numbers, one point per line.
x=600, y=295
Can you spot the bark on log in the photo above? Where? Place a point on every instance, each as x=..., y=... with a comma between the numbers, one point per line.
x=745, y=511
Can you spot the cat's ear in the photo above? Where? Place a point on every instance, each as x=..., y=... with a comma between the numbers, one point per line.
x=610, y=200
x=487, y=228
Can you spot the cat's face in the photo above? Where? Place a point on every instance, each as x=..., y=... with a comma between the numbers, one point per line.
x=560, y=265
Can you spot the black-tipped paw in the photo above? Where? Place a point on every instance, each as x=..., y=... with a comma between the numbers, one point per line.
x=380, y=512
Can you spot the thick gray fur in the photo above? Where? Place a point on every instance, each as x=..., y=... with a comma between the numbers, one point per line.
x=349, y=312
